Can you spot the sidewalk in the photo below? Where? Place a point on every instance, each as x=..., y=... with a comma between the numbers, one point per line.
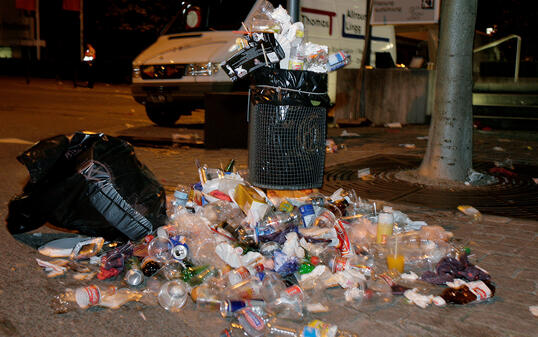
x=505, y=247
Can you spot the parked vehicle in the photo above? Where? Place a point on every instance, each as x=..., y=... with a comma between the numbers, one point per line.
x=172, y=75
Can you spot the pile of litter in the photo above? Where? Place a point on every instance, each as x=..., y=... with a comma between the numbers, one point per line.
x=268, y=260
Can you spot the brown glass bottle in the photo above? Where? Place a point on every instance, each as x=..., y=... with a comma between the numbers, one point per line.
x=474, y=291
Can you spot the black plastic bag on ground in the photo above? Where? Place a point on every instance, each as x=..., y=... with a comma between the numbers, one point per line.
x=89, y=183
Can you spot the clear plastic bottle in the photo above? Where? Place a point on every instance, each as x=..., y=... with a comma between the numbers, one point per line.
x=253, y=324
x=272, y=286
x=182, y=194
x=237, y=275
x=275, y=222
x=290, y=303
x=93, y=295
x=325, y=257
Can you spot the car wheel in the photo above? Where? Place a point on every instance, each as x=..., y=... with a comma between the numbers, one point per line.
x=162, y=116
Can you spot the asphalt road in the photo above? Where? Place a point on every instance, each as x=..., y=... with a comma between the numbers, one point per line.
x=30, y=112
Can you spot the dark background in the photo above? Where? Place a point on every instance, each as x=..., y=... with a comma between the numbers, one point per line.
x=120, y=29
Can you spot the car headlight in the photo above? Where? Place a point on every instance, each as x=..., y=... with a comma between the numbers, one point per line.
x=202, y=69
x=162, y=71
x=136, y=72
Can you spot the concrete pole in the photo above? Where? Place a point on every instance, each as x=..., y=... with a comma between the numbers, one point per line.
x=37, y=31
x=449, y=152
x=81, y=28
x=293, y=10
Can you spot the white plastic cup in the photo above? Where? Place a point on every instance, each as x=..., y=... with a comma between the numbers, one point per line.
x=173, y=295
x=385, y=224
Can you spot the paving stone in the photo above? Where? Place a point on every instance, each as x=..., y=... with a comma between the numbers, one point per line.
x=500, y=271
x=524, y=286
x=501, y=259
x=495, y=218
x=528, y=274
x=529, y=252
x=505, y=317
x=517, y=297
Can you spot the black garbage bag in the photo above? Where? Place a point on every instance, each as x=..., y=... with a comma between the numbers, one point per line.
x=89, y=183
x=289, y=87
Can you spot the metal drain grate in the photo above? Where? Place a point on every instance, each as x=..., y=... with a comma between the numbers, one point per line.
x=514, y=197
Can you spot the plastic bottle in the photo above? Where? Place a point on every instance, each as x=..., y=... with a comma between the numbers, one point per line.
x=316, y=328
x=245, y=237
x=197, y=275
x=325, y=257
x=275, y=222
x=272, y=287
x=253, y=325
x=173, y=295
x=182, y=194
x=325, y=219
x=468, y=292
x=290, y=303
x=338, y=60
x=207, y=297
x=93, y=295
x=230, y=166
x=237, y=275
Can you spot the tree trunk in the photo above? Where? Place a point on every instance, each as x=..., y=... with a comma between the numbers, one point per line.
x=449, y=152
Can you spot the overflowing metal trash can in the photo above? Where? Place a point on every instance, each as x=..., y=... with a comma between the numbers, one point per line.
x=287, y=129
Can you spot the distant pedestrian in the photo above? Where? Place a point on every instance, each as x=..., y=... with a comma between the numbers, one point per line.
x=89, y=61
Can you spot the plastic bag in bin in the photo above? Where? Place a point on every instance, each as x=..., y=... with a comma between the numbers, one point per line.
x=306, y=88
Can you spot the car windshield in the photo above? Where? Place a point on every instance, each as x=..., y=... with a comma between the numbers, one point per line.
x=215, y=15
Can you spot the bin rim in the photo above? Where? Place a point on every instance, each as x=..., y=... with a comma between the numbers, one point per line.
x=278, y=89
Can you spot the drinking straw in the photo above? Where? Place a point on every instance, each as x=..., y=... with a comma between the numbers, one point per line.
x=265, y=56
x=245, y=27
x=396, y=246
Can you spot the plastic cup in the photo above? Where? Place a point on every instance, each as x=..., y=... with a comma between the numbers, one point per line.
x=396, y=262
x=385, y=224
x=160, y=249
x=173, y=295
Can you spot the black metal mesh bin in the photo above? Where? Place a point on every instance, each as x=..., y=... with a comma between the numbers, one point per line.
x=287, y=129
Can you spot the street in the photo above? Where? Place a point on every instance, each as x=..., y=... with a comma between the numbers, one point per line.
x=504, y=246
x=44, y=109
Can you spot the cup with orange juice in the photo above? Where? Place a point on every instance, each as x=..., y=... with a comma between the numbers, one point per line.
x=395, y=260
